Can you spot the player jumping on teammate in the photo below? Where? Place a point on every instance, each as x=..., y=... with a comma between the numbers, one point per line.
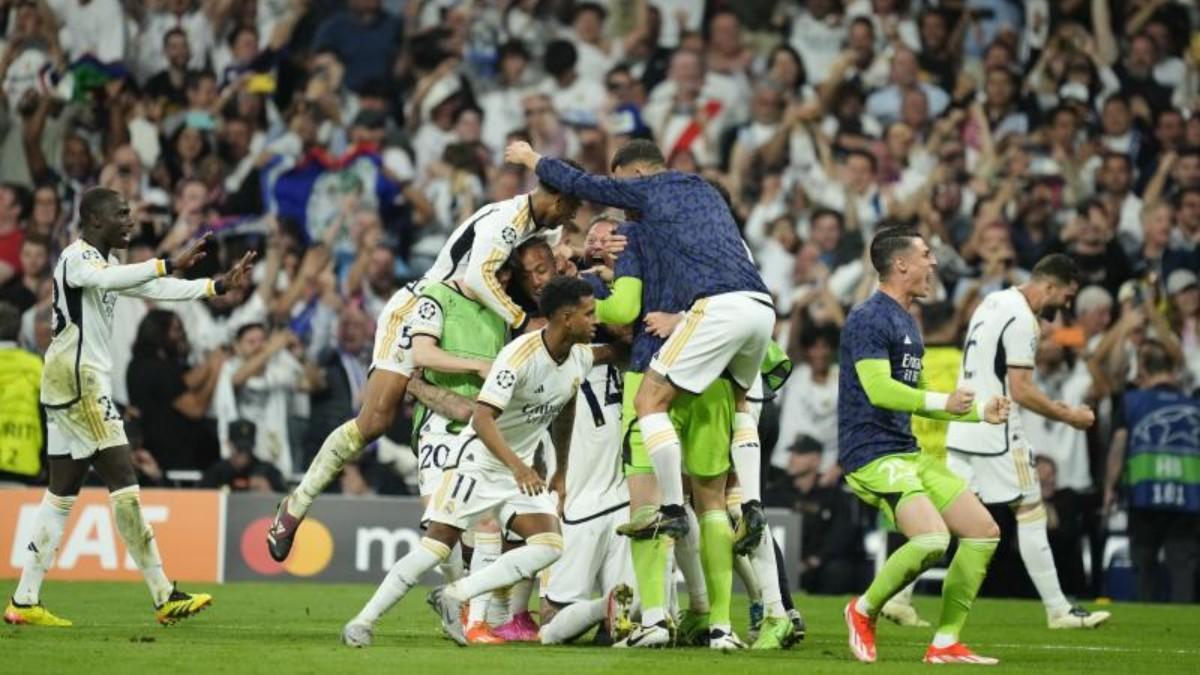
x=730, y=319
x=531, y=381
x=475, y=252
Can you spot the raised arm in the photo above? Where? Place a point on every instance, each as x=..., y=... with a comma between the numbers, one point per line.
x=626, y=193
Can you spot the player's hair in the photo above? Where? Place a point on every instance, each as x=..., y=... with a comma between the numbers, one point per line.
x=525, y=247
x=563, y=291
x=93, y=201
x=1154, y=359
x=887, y=244
x=1057, y=267
x=10, y=321
x=638, y=150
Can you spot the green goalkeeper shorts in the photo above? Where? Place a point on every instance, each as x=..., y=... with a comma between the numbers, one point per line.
x=704, y=424
x=889, y=481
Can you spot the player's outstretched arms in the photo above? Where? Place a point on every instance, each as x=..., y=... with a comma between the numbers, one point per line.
x=91, y=270
x=170, y=288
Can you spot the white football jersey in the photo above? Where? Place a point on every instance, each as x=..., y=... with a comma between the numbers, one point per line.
x=86, y=286
x=1003, y=333
x=480, y=245
x=530, y=389
x=595, y=468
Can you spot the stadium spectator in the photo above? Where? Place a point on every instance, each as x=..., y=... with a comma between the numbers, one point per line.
x=258, y=383
x=242, y=471
x=170, y=398
x=832, y=538
x=23, y=289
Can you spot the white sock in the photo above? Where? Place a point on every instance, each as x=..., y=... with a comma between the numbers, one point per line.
x=653, y=616
x=497, y=611
x=943, y=640
x=749, y=576
x=487, y=551
x=768, y=576
x=341, y=445
x=1039, y=560
x=139, y=540
x=452, y=567
x=662, y=445
x=518, y=596
x=746, y=452
x=403, y=575
x=574, y=620
x=687, y=556
x=904, y=597
x=39, y=553
x=539, y=552
x=862, y=606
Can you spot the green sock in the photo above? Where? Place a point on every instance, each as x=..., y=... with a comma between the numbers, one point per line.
x=649, y=569
x=966, y=573
x=901, y=567
x=716, y=557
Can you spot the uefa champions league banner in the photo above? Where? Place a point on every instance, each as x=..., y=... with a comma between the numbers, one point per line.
x=210, y=535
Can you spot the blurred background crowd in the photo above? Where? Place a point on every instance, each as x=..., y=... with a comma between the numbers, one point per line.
x=344, y=140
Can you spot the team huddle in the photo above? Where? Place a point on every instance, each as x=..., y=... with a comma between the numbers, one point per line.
x=597, y=430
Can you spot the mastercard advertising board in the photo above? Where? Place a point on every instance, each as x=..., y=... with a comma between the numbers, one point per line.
x=186, y=526
x=343, y=539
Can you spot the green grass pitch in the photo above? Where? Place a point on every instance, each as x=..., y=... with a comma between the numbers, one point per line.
x=287, y=629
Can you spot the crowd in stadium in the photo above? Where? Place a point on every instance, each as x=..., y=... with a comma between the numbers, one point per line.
x=344, y=141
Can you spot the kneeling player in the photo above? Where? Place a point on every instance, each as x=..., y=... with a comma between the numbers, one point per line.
x=530, y=383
